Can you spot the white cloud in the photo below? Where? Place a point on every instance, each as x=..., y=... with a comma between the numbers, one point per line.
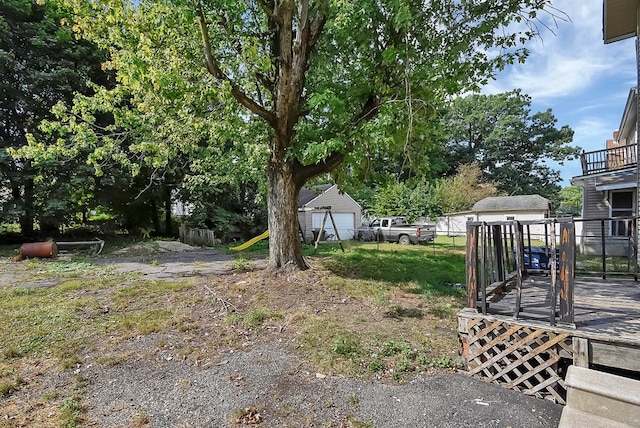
x=585, y=82
x=572, y=60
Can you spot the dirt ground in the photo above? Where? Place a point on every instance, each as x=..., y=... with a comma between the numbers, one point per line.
x=207, y=372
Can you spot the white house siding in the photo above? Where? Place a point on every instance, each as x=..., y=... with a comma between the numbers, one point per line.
x=342, y=206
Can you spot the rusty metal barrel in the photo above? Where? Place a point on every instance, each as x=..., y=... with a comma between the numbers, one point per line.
x=39, y=249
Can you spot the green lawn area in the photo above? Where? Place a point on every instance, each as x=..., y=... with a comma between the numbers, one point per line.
x=383, y=310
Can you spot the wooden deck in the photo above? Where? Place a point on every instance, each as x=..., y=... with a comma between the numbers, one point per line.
x=523, y=328
x=608, y=309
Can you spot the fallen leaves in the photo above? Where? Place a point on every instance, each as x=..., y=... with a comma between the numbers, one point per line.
x=250, y=416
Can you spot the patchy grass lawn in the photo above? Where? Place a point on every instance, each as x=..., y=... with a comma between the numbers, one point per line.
x=386, y=311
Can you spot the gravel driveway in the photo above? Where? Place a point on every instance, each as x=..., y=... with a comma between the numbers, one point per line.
x=280, y=389
x=167, y=392
x=265, y=380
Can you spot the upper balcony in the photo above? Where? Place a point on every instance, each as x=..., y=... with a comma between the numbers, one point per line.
x=612, y=159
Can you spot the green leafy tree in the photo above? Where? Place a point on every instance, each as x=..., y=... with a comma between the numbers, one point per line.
x=511, y=145
x=41, y=64
x=571, y=200
x=409, y=199
x=321, y=76
x=460, y=192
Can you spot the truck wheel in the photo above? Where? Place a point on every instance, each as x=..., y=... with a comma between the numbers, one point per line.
x=361, y=237
x=404, y=240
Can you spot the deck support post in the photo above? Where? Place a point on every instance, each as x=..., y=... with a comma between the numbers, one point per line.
x=566, y=277
x=520, y=266
x=472, y=265
x=580, y=351
x=604, y=250
x=498, y=248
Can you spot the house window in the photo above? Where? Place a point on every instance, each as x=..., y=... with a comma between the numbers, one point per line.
x=470, y=219
x=511, y=217
x=621, y=206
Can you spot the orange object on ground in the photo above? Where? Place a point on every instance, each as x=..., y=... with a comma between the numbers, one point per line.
x=39, y=249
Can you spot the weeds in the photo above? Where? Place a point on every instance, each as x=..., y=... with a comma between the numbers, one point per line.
x=111, y=360
x=357, y=319
x=11, y=353
x=142, y=322
x=345, y=344
x=242, y=264
x=444, y=311
x=258, y=316
x=71, y=412
x=141, y=421
x=8, y=387
x=353, y=422
x=51, y=395
x=233, y=319
x=376, y=365
x=354, y=401
x=391, y=347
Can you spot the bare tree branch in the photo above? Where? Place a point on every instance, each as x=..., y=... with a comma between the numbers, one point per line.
x=267, y=8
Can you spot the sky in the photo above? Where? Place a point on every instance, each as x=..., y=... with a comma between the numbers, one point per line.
x=583, y=81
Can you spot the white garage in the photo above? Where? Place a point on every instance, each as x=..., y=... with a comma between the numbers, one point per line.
x=314, y=202
x=345, y=222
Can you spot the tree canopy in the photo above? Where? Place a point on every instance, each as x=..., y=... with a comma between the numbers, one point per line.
x=329, y=82
x=571, y=200
x=41, y=64
x=511, y=145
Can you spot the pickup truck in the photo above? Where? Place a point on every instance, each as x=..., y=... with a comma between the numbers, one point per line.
x=396, y=229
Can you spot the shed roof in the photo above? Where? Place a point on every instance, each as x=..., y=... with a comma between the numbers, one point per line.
x=307, y=195
x=512, y=203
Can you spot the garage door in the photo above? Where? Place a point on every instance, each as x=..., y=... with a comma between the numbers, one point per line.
x=345, y=223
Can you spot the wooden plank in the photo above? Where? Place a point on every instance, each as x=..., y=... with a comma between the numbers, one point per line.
x=483, y=268
x=581, y=352
x=500, y=339
x=484, y=331
x=472, y=266
x=566, y=277
x=508, y=350
x=519, y=268
x=498, y=248
x=614, y=355
x=554, y=275
x=335, y=229
x=545, y=385
x=533, y=371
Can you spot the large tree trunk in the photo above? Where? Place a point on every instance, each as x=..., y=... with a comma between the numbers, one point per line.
x=285, y=249
x=296, y=28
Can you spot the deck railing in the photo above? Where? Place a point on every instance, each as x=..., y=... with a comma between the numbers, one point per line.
x=611, y=159
x=608, y=247
x=500, y=255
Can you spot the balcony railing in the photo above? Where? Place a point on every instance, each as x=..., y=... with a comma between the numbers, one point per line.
x=609, y=159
